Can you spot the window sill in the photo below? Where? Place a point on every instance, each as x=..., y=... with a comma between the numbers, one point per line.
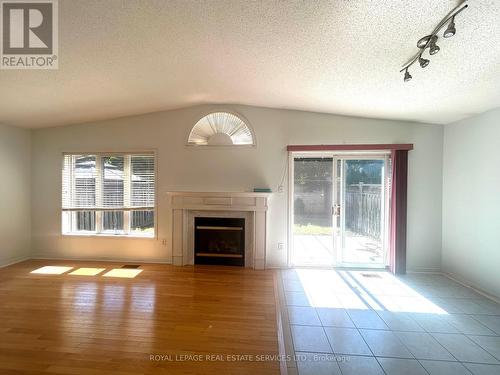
x=109, y=235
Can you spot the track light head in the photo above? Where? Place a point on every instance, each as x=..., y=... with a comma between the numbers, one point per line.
x=408, y=76
x=423, y=62
x=450, y=30
x=429, y=41
x=433, y=47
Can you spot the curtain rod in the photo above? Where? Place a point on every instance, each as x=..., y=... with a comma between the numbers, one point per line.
x=352, y=147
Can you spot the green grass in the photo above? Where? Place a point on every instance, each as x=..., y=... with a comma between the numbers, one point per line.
x=143, y=231
x=312, y=230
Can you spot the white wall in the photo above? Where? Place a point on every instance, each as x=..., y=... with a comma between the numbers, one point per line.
x=471, y=201
x=188, y=168
x=15, y=183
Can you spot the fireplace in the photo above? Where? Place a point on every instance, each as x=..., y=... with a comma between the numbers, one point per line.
x=185, y=206
x=219, y=240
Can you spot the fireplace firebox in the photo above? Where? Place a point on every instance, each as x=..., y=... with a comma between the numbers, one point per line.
x=219, y=241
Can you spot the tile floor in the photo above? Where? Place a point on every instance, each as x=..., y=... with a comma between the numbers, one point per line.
x=372, y=323
x=315, y=249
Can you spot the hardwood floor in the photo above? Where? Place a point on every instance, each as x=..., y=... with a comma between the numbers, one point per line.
x=166, y=320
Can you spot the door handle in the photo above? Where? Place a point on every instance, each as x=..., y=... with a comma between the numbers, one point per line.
x=336, y=210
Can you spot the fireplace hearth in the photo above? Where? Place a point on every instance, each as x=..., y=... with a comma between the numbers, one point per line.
x=219, y=241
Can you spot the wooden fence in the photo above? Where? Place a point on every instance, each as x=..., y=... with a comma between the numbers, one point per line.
x=113, y=220
x=363, y=211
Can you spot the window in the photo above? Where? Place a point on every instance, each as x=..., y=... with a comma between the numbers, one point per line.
x=109, y=194
x=221, y=129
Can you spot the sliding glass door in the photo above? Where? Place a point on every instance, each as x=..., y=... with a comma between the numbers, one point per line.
x=312, y=210
x=362, y=214
x=340, y=210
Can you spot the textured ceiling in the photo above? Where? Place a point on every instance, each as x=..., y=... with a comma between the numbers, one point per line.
x=119, y=58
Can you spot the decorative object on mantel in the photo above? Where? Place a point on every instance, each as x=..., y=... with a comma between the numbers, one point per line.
x=430, y=41
x=221, y=129
x=262, y=190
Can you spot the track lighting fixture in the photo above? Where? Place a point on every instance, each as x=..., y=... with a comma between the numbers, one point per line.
x=429, y=41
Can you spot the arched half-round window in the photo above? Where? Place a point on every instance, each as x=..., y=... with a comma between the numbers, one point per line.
x=221, y=129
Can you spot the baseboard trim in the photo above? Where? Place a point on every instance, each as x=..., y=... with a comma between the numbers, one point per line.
x=469, y=285
x=14, y=261
x=424, y=270
x=118, y=260
x=459, y=280
x=177, y=260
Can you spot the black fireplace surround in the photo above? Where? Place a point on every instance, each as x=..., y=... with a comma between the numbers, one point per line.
x=219, y=241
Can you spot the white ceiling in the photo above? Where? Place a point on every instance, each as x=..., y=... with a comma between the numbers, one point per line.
x=119, y=58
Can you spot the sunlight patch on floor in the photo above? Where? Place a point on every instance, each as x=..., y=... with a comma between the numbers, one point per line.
x=51, y=270
x=123, y=272
x=87, y=271
x=362, y=290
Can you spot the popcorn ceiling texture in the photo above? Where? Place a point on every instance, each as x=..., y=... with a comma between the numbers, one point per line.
x=119, y=58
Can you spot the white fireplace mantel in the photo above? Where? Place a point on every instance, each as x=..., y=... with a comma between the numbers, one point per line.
x=185, y=206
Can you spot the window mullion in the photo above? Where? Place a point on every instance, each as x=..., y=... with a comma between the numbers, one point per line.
x=127, y=191
x=99, y=191
x=72, y=199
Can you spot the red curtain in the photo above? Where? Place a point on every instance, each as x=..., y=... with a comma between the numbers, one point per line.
x=399, y=188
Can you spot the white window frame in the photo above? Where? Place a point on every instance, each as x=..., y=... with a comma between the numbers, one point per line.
x=99, y=232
